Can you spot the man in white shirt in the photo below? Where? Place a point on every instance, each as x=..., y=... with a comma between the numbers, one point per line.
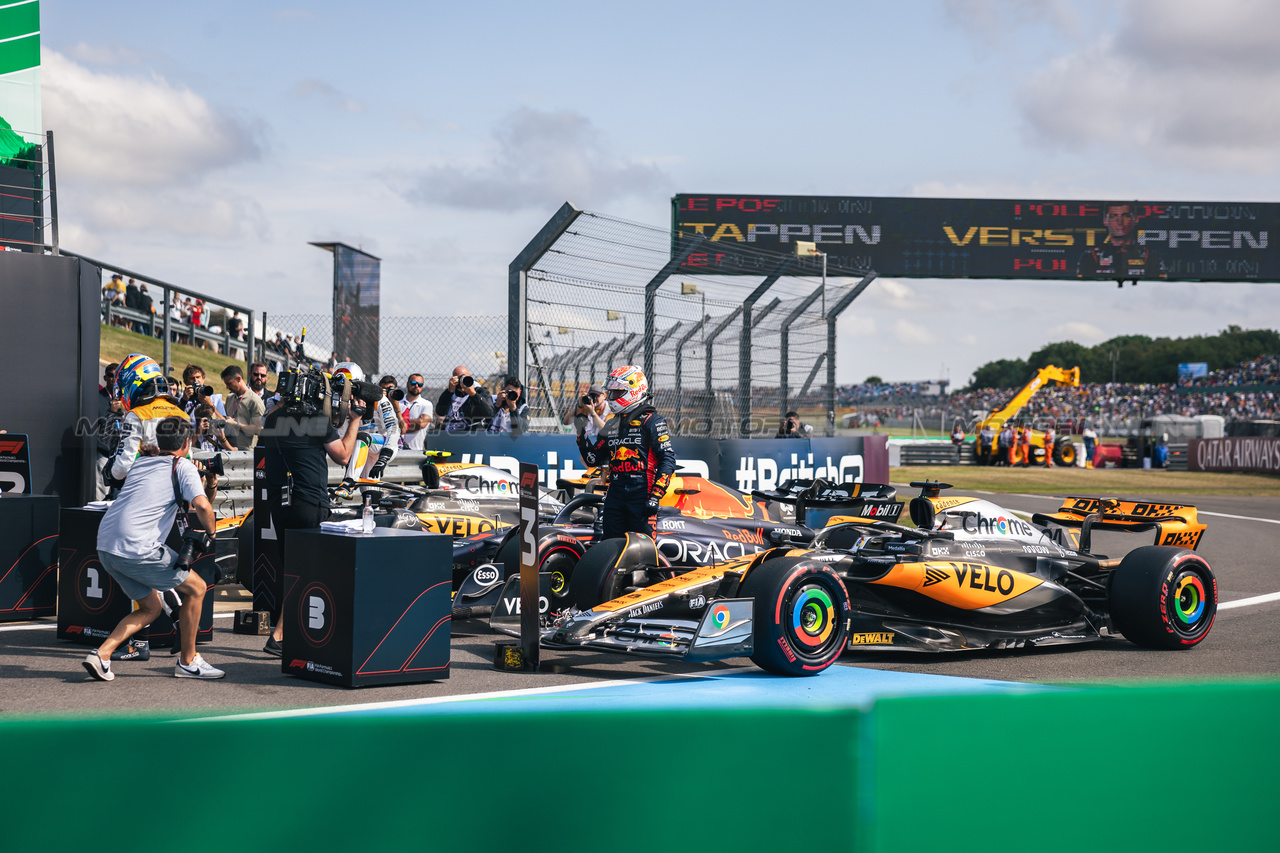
x=417, y=414
x=132, y=550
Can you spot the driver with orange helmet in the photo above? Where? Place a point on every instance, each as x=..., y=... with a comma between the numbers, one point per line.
x=148, y=399
x=636, y=445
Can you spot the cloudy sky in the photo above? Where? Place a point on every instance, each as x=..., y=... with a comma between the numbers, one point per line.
x=206, y=144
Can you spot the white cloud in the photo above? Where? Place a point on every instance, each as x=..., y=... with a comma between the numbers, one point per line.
x=907, y=332
x=542, y=158
x=109, y=55
x=1176, y=82
x=136, y=153
x=1081, y=333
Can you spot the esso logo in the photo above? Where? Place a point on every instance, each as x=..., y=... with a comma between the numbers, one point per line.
x=315, y=615
x=486, y=575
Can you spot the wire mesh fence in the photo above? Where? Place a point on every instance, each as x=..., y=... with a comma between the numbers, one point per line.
x=711, y=373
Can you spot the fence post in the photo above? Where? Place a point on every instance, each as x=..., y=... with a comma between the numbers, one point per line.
x=249, y=351
x=651, y=295
x=711, y=339
x=744, y=345
x=785, y=352
x=832, y=315
x=517, y=285
x=680, y=369
x=168, y=325
x=53, y=190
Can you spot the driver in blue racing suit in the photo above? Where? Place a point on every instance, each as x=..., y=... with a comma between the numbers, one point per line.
x=636, y=446
x=380, y=435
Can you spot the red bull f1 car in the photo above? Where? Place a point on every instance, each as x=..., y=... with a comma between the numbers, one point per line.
x=969, y=575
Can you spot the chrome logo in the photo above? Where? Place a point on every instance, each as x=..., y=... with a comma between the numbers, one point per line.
x=719, y=617
x=1002, y=524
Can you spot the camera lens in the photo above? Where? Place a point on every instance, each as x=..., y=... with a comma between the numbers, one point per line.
x=513, y=395
x=467, y=381
x=586, y=400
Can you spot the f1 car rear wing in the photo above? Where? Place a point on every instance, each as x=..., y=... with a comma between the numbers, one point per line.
x=1175, y=524
x=864, y=500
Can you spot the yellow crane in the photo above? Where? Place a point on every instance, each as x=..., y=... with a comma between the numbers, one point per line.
x=1064, y=452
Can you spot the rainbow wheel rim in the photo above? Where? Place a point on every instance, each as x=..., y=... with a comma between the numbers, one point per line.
x=1189, y=599
x=813, y=617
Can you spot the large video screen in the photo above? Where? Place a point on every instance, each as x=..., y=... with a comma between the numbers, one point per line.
x=985, y=238
x=357, y=286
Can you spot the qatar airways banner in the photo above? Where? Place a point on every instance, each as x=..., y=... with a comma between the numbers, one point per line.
x=1118, y=240
x=1250, y=455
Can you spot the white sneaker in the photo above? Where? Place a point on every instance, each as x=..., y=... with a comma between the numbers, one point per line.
x=98, y=668
x=198, y=668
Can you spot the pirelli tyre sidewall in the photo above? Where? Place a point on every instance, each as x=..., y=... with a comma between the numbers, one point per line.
x=1163, y=598
x=800, y=615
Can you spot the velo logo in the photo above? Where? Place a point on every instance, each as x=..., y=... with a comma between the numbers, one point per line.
x=315, y=615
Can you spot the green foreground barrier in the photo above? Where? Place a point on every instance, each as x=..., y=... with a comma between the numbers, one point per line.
x=1153, y=768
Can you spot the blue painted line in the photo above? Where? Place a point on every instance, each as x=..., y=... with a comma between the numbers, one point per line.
x=838, y=687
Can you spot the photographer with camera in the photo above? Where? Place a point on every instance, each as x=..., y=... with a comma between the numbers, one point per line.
x=396, y=396
x=793, y=427
x=511, y=411
x=297, y=436
x=592, y=413
x=196, y=393
x=209, y=438
x=132, y=550
x=463, y=407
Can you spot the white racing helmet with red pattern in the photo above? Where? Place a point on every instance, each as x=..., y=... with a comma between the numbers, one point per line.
x=349, y=369
x=626, y=388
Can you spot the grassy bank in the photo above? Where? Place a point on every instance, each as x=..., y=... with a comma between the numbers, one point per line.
x=1082, y=481
x=117, y=343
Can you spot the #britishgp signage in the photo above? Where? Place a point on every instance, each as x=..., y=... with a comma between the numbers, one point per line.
x=982, y=238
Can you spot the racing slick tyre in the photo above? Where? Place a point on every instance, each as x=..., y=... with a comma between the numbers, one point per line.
x=597, y=577
x=1064, y=453
x=556, y=559
x=1163, y=598
x=801, y=613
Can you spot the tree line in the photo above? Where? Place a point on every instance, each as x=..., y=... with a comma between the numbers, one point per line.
x=1132, y=358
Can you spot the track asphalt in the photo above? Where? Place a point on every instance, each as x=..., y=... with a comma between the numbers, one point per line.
x=42, y=675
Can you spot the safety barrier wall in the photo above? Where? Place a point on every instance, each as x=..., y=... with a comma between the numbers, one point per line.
x=1124, y=768
x=743, y=463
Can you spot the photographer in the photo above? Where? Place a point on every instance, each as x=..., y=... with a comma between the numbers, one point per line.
x=793, y=427
x=132, y=550
x=463, y=406
x=512, y=413
x=418, y=415
x=297, y=442
x=209, y=438
x=592, y=413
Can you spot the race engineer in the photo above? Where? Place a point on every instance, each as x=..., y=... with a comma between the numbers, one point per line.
x=637, y=448
x=378, y=440
x=148, y=399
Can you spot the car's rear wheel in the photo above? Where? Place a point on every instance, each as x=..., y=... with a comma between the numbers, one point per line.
x=1163, y=598
x=800, y=615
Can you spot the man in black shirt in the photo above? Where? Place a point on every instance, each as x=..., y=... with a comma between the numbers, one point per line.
x=464, y=406
x=297, y=475
x=1121, y=256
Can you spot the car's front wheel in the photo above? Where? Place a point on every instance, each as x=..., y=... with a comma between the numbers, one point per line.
x=800, y=615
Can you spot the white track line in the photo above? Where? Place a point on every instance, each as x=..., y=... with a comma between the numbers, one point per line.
x=1240, y=517
x=1246, y=602
x=49, y=626
x=466, y=697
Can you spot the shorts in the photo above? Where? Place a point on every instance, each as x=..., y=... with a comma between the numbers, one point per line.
x=140, y=577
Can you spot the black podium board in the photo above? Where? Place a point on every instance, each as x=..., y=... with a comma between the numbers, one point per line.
x=90, y=603
x=28, y=556
x=367, y=609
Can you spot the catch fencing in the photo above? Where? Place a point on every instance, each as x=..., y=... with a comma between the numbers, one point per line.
x=726, y=355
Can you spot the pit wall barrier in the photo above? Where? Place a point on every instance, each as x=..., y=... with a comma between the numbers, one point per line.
x=745, y=464
x=1118, y=768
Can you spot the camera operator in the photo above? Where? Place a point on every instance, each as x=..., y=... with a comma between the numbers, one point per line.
x=793, y=427
x=417, y=414
x=512, y=412
x=132, y=550
x=463, y=406
x=297, y=476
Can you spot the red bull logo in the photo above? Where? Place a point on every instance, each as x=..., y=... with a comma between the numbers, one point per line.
x=622, y=454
